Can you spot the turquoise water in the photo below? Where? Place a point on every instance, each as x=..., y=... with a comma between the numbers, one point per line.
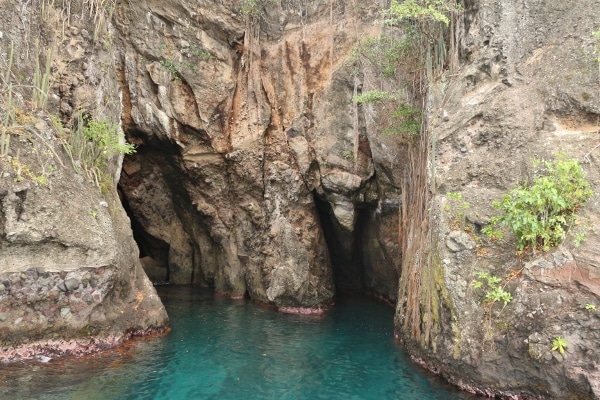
x=233, y=349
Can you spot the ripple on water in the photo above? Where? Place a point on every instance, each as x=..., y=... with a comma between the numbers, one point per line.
x=233, y=349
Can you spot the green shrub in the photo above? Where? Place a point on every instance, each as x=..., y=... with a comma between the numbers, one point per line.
x=91, y=144
x=388, y=55
x=348, y=154
x=105, y=138
x=193, y=50
x=539, y=214
x=407, y=121
x=596, y=35
x=172, y=67
x=456, y=206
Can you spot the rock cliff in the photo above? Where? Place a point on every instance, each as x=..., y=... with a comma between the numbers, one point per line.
x=258, y=173
x=255, y=171
x=70, y=278
x=527, y=88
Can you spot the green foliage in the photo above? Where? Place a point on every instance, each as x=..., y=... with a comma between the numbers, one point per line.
x=41, y=82
x=175, y=67
x=432, y=18
x=91, y=144
x=559, y=344
x=457, y=196
x=15, y=116
x=596, y=36
x=250, y=7
x=407, y=121
x=348, y=154
x=23, y=171
x=493, y=291
x=101, y=12
x=457, y=207
x=254, y=8
x=539, y=214
x=373, y=96
x=436, y=10
x=4, y=141
x=590, y=307
x=105, y=138
x=7, y=105
x=192, y=50
x=579, y=238
x=387, y=55
x=492, y=231
x=172, y=67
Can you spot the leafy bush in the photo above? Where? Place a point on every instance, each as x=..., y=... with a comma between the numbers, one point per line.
x=539, y=215
x=388, y=55
x=105, y=138
x=457, y=206
x=348, y=154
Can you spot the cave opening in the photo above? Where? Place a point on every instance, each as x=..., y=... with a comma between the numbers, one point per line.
x=176, y=244
x=345, y=246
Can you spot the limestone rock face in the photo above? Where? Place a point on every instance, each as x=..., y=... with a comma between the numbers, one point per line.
x=527, y=88
x=254, y=173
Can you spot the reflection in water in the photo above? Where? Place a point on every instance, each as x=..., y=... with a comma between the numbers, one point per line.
x=234, y=349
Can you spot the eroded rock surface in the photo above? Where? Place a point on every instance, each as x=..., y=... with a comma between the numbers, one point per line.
x=254, y=173
x=70, y=278
x=527, y=88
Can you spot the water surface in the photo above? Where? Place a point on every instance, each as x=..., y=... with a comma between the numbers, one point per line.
x=233, y=349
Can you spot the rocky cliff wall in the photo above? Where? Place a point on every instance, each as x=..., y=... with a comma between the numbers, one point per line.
x=527, y=88
x=255, y=171
x=70, y=278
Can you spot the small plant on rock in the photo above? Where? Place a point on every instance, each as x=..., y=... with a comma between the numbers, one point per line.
x=493, y=291
x=435, y=10
x=539, y=214
x=348, y=154
x=457, y=206
x=559, y=344
x=172, y=67
x=192, y=50
x=373, y=96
